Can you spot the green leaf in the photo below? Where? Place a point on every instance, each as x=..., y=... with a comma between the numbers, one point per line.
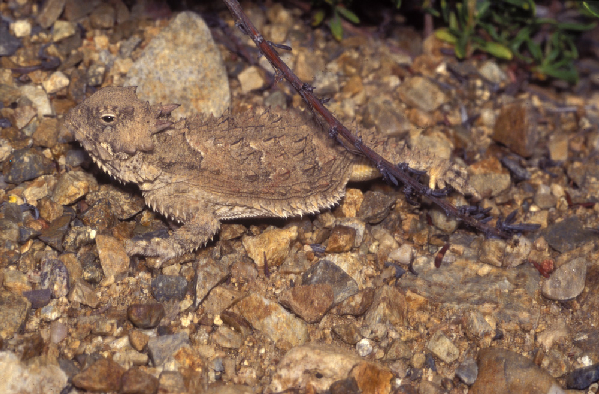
x=569, y=74
x=535, y=50
x=397, y=3
x=347, y=14
x=318, y=18
x=496, y=49
x=576, y=26
x=461, y=46
x=336, y=28
x=445, y=35
x=592, y=7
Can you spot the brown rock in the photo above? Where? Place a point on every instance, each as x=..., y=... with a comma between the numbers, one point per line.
x=113, y=257
x=371, y=378
x=309, y=302
x=145, y=315
x=341, y=239
x=103, y=375
x=516, y=128
x=356, y=304
x=51, y=11
x=136, y=381
x=138, y=340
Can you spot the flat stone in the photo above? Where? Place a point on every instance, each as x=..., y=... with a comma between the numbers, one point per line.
x=73, y=185
x=273, y=321
x=136, y=381
x=84, y=294
x=28, y=164
x=210, y=273
x=389, y=307
x=54, y=234
x=50, y=12
x=375, y=207
x=567, y=281
x=168, y=287
x=113, y=258
x=272, y=245
x=39, y=98
x=310, y=302
x=421, y=93
x=55, y=82
x=341, y=239
x=568, y=234
x=516, y=128
x=145, y=315
x=183, y=65
x=503, y=371
x=26, y=377
x=163, y=347
x=582, y=378
x=442, y=347
x=13, y=313
x=250, y=79
x=103, y=375
x=62, y=30
x=325, y=272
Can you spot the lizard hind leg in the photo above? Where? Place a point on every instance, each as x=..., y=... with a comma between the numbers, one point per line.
x=196, y=232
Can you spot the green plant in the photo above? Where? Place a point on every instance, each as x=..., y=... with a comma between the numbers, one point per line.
x=510, y=29
x=339, y=10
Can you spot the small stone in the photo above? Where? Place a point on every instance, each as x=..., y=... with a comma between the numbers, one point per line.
x=421, y=93
x=73, y=185
x=209, y=274
x=568, y=234
x=399, y=350
x=250, y=79
x=375, y=207
x=467, y=371
x=55, y=82
x=567, y=281
x=113, y=258
x=27, y=377
x=46, y=134
x=21, y=28
x=582, y=378
x=103, y=375
x=309, y=302
x=341, y=239
x=136, y=381
x=50, y=12
x=503, y=371
x=227, y=338
x=489, y=178
x=145, y=315
x=543, y=197
x=348, y=333
x=558, y=147
x=273, y=321
x=325, y=272
x=84, y=294
x=364, y=347
x=54, y=234
x=271, y=244
x=381, y=112
x=356, y=304
x=230, y=231
x=372, y=378
x=103, y=17
x=16, y=281
x=8, y=43
x=38, y=298
x=493, y=251
x=55, y=276
x=62, y=30
x=443, y=348
x=351, y=202
x=138, y=340
x=516, y=128
x=163, y=347
x=124, y=205
x=95, y=74
x=345, y=386
x=403, y=255
x=166, y=288
x=477, y=326
x=389, y=307
x=171, y=382
x=28, y=164
x=39, y=98
x=100, y=215
x=491, y=71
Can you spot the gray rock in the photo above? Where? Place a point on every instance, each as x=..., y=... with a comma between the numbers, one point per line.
x=8, y=43
x=421, y=93
x=442, y=347
x=13, y=313
x=182, y=65
x=568, y=234
x=166, y=288
x=210, y=273
x=375, y=207
x=54, y=276
x=163, y=347
x=28, y=164
x=567, y=281
x=467, y=371
x=325, y=272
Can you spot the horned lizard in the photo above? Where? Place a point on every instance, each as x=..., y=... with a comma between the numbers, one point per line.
x=202, y=170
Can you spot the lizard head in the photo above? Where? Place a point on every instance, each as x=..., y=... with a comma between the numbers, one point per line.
x=116, y=128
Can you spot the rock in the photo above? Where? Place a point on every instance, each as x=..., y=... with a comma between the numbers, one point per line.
x=375, y=207
x=309, y=302
x=55, y=82
x=145, y=315
x=489, y=178
x=493, y=251
x=389, y=307
x=567, y=281
x=166, y=288
x=382, y=113
x=273, y=321
x=39, y=377
x=250, y=79
x=582, y=378
x=227, y=338
x=103, y=375
x=421, y=93
x=182, y=65
x=210, y=273
x=398, y=350
x=364, y=347
x=38, y=298
x=568, y=234
x=443, y=348
x=503, y=371
x=163, y=347
x=325, y=272
x=103, y=17
x=55, y=276
x=491, y=71
x=8, y=43
x=371, y=378
x=62, y=30
x=13, y=313
x=16, y=281
x=351, y=202
x=467, y=371
x=138, y=340
x=100, y=216
x=50, y=12
x=84, y=294
x=356, y=304
x=46, y=134
x=28, y=164
x=403, y=255
x=73, y=185
x=271, y=244
x=136, y=381
x=342, y=239
x=113, y=258
x=39, y=98
x=543, y=197
x=54, y=234
x=124, y=205
x=348, y=333
x=558, y=147
x=477, y=327
x=516, y=128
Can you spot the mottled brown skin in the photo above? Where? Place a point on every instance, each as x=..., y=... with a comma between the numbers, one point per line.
x=201, y=170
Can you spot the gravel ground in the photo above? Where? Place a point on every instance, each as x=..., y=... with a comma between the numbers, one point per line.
x=374, y=296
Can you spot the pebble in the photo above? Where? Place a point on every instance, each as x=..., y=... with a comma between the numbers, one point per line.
x=568, y=234
x=103, y=375
x=341, y=240
x=375, y=207
x=73, y=185
x=62, y=29
x=227, y=338
x=113, y=258
x=442, y=347
x=54, y=234
x=183, y=65
x=21, y=28
x=21, y=377
x=325, y=272
x=161, y=348
x=582, y=378
x=399, y=350
x=28, y=164
x=389, y=307
x=493, y=251
x=16, y=281
x=348, y=333
x=567, y=281
x=8, y=43
x=50, y=12
x=467, y=371
x=504, y=371
x=39, y=98
x=209, y=274
x=55, y=82
x=167, y=287
x=309, y=302
x=124, y=205
x=273, y=321
x=171, y=382
x=136, y=381
x=489, y=178
x=38, y=298
x=55, y=276
x=46, y=134
x=103, y=17
x=271, y=244
x=516, y=128
x=403, y=255
x=84, y=294
x=251, y=79
x=145, y=315
x=364, y=347
x=356, y=304
x=421, y=93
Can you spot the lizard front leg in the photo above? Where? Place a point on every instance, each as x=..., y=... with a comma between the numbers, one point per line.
x=197, y=230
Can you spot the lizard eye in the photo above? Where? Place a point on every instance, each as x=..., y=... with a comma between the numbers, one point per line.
x=108, y=118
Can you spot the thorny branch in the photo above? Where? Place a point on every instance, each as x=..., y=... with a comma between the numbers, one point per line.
x=473, y=216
